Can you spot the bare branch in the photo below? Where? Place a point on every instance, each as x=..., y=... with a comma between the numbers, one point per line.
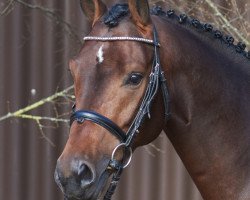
x=43, y=134
x=21, y=113
x=47, y=12
x=8, y=8
x=227, y=23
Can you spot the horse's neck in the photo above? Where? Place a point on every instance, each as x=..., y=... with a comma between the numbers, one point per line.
x=209, y=126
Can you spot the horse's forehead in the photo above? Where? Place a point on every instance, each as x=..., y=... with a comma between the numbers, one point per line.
x=97, y=52
x=120, y=56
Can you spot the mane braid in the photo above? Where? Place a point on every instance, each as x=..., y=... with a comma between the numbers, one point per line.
x=115, y=14
x=205, y=27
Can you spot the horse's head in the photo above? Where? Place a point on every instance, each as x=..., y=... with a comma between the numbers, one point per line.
x=110, y=78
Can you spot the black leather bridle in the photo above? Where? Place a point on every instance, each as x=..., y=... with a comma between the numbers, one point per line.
x=156, y=80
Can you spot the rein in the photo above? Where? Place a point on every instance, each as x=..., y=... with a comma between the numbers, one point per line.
x=156, y=80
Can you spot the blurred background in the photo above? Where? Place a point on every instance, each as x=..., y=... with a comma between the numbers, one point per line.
x=37, y=39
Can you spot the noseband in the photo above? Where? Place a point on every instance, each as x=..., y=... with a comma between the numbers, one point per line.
x=156, y=80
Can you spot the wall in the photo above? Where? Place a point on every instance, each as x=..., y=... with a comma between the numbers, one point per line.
x=35, y=46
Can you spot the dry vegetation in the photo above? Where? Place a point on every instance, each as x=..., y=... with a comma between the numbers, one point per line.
x=231, y=16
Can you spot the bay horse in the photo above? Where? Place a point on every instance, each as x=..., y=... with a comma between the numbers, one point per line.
x=141, y=72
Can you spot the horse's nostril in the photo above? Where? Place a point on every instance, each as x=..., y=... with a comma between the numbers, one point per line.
x=74, y=176
x=85, y=172
x=84, y=175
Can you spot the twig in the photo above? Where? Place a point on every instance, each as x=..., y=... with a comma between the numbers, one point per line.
x=8, y=8
x=48, y=12
x=226, y=22
x=21, y=112
x=39, y=118
x=43, y=134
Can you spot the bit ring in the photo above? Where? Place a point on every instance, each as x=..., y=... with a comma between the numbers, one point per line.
x=127, y=151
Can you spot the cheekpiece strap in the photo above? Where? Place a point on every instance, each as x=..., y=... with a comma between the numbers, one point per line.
x=156, y=79
x=164, y=85
x=114, y=182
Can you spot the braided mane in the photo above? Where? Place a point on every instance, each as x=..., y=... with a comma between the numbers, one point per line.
x=119, y=11
x=203, y=27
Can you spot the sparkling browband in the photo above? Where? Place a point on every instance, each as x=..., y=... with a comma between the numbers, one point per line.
x=104, y=39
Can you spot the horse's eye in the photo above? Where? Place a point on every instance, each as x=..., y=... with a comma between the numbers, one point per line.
x=134, y=79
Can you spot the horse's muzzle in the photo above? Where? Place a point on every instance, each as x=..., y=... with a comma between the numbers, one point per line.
x=76, y=180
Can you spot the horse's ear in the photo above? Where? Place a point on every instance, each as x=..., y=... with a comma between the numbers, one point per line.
x=140, y=12
x=93, y=9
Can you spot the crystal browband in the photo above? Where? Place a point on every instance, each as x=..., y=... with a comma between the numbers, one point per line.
x=104, y=39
